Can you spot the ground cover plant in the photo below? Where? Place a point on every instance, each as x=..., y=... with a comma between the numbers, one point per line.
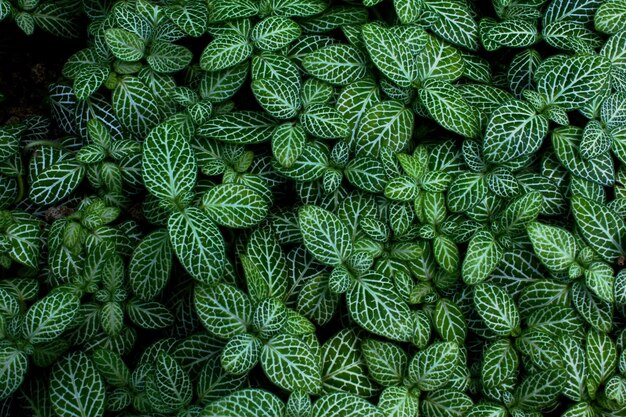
x=303, y=208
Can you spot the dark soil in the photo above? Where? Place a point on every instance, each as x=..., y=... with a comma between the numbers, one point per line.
x=28, y=64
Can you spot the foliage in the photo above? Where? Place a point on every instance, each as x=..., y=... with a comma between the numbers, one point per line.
x=290, y=208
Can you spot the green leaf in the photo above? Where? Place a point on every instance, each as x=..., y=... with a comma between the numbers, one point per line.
x=445, y=403
x=497, y=308
x=324, y=235
x=167, y=57
x=266, y=276
x=274, y=32
x=13, y=370
x=124, y=45
x=539, y=390
x=555, y=247
x=57, y=19
x=288, y=142
x=149, y=314
x=239, y=127
x=279, y=98
x=224, y=52
x=386, y=362
x=234, y=205
x=336, y=64
x=324, y=121
x=482, y=257
x=56, y=182
x=341, y=404
x=566, y=143
x=450, y=321
x=398, y=401
x=249, y=402
x=343, y=367
x=293, y=362
x=24, y=240
x=135, y=105
x=76, y=387
x=150, y=265
x=198, y=244
x=49, y=317
x=224, y=310
x=173, y=385
x=241, y=354
x=169, y=165
x=394, y=58
x=601, y=356
x=432, y=367
x=191, y=17
x=500, y=364
x=574, y=81
x=466, y=191
x=514, y=129
x=88, y=79
x=449, y=108
x=610, y=16
x=599, y=279
x=111, y=367
x=386, y=124
x=373, y=302
x=366, y=173
x=453, y=21
x=601, y=228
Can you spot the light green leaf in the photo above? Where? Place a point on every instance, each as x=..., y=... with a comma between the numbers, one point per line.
x=450, y=321
x=249, y=402
x=167, y=57
x=497, y=308
x=601, y=228
x=14, y=366
x=24, y=240
x=514, y=129
x=343, y=367
x=482, y=257
x=386, y=124
x=224, y=310
x=56, y=182
x=234, y=205
x=341, y=405
x=432, y=367
x=224, y=52
x=274, y=32
x=76, y=387
x=150, y=265
x=293, y=362
x=324, y=235
x=393, y=57
x=169, y=165
x=125, y=45
x=554, y=246
x=336, y=64
x=135, y=105
x=574, y=81
x=239, y=127
x=279, y=98
x=49, y=317
x=373, y=302
x=449, y=108
x=198, y=244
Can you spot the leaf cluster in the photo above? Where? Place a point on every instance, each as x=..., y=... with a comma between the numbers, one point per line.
x=296, y=208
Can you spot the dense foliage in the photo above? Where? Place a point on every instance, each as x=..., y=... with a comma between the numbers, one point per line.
x=289, y=208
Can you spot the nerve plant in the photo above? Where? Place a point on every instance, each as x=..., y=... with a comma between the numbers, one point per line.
x=283, y=208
